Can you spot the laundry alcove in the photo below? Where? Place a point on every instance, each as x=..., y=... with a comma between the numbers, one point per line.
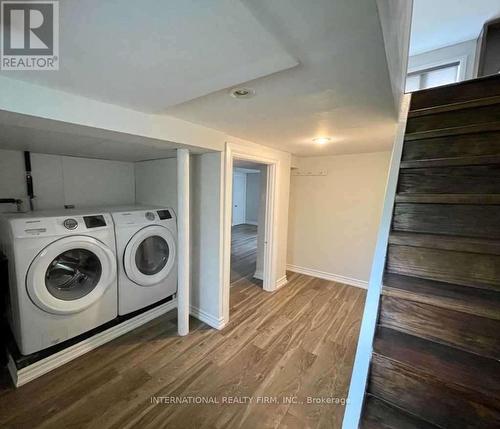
x=77, y=167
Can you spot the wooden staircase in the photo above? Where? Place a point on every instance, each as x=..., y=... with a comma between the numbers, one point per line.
x=436, y=353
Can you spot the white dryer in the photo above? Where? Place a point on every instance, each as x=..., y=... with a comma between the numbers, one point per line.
x=62, y=275
x=146, y=245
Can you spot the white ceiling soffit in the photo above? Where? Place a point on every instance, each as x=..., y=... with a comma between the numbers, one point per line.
x=341, y=88
x=436, y=24
x=21, y=132
x=148, y=55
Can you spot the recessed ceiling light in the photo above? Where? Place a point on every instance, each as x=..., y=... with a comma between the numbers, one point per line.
x=242, y=92
x=321, y=140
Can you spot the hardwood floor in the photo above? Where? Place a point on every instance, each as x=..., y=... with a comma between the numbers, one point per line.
x=243, y=251
x=296, y=343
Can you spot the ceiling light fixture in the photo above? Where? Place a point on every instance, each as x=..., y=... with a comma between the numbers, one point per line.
x=242, y=92
x=321, y=140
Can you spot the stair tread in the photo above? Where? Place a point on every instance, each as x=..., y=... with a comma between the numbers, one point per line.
x=467, y=129
x=487, y=199
x=454, y=161
x=446, y=242
x=449, y=365
x=479, y=302
x=468, y=104
x=442, y=404
x=473, y=334
x=384, y=415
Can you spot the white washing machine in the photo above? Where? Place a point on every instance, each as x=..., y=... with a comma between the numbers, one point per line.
x=146, y=246
x=62, y=275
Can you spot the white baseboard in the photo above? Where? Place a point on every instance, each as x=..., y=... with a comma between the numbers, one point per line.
x=259, y=274
x=281, y=282
x=210, y=320
x=37, y=369
x=328, y=276
x=249, y=222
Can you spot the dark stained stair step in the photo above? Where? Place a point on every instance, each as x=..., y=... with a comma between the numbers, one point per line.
x=473, y=144
x=476, y=270
x=449, y=365
x=421, y=395
x=478, y=199
x=453, y=179
x=487, y=101
x=379, y=414
x=478, y=302
x=474, y=334
x=453, y=131
x=459, y=118
x=456, y=93
x=455, y=161
x=446, y=242
x=448, y=219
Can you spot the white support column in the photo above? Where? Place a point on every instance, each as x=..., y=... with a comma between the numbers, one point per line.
x=183, y=241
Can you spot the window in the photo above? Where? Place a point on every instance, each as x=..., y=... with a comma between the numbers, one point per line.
x=431, y=77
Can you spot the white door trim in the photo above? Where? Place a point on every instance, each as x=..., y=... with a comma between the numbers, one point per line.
x=270, y=246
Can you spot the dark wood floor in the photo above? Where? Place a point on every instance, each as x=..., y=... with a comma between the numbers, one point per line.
x=298, y=342
x=243, y=251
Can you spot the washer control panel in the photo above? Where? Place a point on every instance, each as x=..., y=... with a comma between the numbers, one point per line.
x=70, y=223
x=150, y=216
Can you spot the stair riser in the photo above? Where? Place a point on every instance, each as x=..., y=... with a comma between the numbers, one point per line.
x=449, y=219
x=452, y=146
x=467, y=332
x=458, y=118
x=471, y=90
x=381, y=415
x=422, y=396
x=463, y=268
x=481, y=179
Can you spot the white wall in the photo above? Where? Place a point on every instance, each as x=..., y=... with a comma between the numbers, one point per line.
x=395, y=20
x=252, y=198
x=448, y=53
x=206, y=237
x=156, y=182
x=12, y=177
x=60, y=180
x=334, y=218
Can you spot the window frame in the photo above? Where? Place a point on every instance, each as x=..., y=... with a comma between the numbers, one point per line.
x=461, y=73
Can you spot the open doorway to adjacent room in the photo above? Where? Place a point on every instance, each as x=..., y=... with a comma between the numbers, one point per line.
x=248, y=222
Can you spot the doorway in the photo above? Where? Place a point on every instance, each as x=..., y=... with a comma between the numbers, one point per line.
x=248, y=218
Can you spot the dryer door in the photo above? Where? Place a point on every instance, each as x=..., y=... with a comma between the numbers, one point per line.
x=150, y=255
x=70, y=274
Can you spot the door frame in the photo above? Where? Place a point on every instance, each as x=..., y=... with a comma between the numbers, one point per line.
x=270, y=234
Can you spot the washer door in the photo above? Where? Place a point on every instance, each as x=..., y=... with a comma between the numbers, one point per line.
x=149, y=255
x=70, y=274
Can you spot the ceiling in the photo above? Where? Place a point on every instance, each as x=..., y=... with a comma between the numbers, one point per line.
x=436, y=24
x=149, y=54
x=318, y=68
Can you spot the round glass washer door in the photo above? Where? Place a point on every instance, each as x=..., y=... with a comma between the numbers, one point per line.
x=70, y=274
x=150, y=255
